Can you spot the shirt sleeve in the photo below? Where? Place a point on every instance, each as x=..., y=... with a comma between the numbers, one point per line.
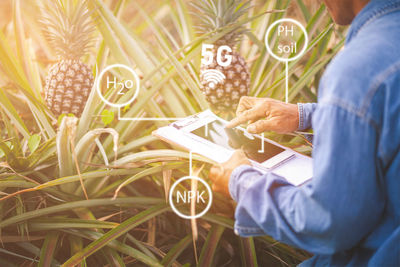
x=306, y=112
x=334, y=210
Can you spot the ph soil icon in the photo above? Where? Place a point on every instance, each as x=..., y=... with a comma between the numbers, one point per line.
x=286, y=40
x=291, y=46
x=182, y=197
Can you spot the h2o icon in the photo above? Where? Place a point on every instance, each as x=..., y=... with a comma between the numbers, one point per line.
x=208, y=55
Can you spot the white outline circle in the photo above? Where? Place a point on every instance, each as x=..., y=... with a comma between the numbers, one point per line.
x=173, y=205
x=101, y=76
x=302, y=50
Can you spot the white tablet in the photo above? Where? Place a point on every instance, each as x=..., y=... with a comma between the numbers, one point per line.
x=205, y=134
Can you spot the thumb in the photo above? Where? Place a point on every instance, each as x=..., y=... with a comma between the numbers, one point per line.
x=260, y=126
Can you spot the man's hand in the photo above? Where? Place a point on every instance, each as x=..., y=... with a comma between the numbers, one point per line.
x=266, y=114
x=220, y=174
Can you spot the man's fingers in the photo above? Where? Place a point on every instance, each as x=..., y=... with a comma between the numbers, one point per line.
x=238, y=154
x=248, y=110
x=233, y=144
x=217, y=189
x=260, y=127
x=239, y=158
x=215, y=173
x=245, y=103
x=245, y=117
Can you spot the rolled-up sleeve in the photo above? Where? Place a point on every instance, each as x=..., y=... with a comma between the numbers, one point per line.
x=331, y=212
x=306, y=112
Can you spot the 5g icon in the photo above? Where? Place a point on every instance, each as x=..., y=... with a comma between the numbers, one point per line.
x=224, y=59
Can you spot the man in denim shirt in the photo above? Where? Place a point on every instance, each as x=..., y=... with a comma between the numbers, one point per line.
x=349, y=213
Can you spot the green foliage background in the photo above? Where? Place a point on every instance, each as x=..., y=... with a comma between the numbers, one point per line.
x=93, y=191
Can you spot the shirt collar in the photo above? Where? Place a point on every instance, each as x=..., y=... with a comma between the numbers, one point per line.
x=373, y=10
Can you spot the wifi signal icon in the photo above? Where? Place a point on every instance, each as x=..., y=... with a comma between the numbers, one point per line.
x=213, y=77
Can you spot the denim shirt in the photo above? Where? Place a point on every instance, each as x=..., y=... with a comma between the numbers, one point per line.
x=349, y=213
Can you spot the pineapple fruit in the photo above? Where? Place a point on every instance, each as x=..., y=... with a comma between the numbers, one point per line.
x=213, y=16
x=68, y=28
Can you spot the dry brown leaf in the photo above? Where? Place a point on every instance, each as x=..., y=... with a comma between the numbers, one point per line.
x=194, y=186
x=151, y=233
x=167, y=174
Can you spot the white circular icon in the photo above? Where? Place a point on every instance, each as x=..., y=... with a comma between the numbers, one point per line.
x=282, y=58
x=171, y=191
x=137, y=80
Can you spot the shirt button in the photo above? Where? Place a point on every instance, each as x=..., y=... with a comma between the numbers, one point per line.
x=236, y=232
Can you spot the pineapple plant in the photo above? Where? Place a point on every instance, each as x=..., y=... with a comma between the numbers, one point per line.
x=214, y=16
x=68, y=28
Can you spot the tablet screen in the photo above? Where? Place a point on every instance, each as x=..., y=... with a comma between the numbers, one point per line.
x=216, y=133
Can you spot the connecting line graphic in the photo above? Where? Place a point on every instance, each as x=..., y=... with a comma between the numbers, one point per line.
x=177, y=119
x=145, y=119
x=283, y=29
x=287, y=82
x=190, y=162
x=262, y=144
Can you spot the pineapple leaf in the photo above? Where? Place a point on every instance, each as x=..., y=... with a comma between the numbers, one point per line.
x=68, y=28
x=33, y=142
x=214, y=15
